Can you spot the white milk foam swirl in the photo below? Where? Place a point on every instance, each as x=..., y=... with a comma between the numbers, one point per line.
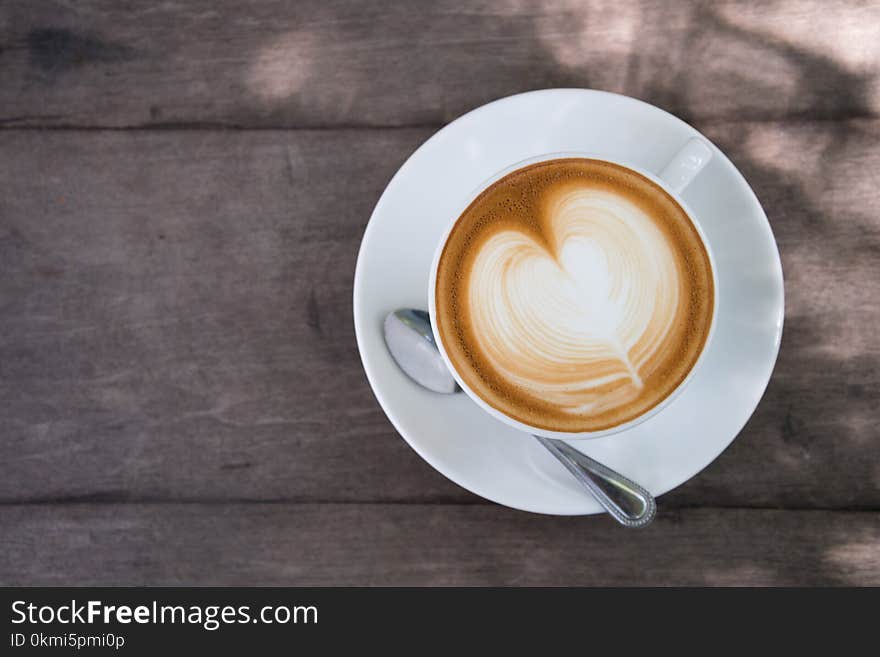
x=591, y=311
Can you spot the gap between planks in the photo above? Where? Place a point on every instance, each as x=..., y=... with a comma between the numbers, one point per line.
x=99, y=500
x=13, y=124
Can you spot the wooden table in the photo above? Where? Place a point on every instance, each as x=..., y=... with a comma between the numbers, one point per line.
x=183, y=189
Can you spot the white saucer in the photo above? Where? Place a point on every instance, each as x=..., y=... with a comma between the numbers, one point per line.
x=480, y=453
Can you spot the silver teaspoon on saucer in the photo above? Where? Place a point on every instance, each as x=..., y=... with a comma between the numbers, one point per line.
x=411, y=342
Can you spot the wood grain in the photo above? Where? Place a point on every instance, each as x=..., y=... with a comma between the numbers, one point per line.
x=334, y=62
x=282, y=544
x=175, y=319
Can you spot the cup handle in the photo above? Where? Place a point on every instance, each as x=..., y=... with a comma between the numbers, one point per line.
x=685, y=166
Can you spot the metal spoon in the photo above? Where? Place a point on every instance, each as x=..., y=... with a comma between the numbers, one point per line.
x=411, y=343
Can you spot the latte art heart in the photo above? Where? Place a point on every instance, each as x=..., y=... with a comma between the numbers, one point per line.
x=564, y=320
x=574, y=303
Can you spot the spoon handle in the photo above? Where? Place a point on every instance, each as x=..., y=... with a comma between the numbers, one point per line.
x=626, y=501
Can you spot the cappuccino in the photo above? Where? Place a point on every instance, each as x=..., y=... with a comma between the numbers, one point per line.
x=574, y=295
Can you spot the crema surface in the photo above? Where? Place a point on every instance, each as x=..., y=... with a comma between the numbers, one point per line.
x=574, y=295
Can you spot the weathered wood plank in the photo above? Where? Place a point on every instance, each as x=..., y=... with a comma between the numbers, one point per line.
x=175, y=319
x=283, y=544
x=325, y=62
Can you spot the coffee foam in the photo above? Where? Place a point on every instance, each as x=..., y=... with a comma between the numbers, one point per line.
x=573, y=295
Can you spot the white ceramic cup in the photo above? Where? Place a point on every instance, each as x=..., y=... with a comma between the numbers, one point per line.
x=674, y=178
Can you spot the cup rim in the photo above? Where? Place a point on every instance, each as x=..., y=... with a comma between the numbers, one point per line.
x=564, y=435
